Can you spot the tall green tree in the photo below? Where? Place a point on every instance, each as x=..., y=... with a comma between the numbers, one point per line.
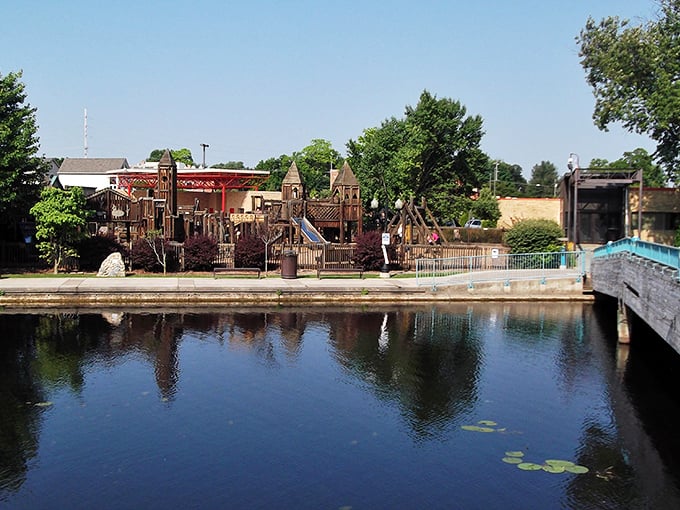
x=60, y=218
x=543, y=180
x=633, y=70
x=21, y=170
x=314, y=163
x=432, y=152
x=179, y=155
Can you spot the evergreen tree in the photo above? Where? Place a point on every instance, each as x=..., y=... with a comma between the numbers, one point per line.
x=21, y=170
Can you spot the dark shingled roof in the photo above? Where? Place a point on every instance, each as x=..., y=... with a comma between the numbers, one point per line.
x=92, y=165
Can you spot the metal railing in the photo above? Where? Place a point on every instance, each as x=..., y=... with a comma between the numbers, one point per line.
x=661, y=253
x=500, y=267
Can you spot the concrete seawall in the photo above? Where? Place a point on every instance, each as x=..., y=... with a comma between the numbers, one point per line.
x=80, y=291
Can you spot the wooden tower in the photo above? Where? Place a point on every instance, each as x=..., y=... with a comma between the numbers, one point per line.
x=346, y=191
x=165, y=196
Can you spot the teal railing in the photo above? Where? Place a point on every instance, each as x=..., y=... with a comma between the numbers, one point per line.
x=661, y=253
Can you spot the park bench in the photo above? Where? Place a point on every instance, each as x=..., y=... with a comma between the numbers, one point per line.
x=340, y=270
x=237, y=270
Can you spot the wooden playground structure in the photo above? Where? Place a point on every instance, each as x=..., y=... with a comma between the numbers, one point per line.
x=227, y=204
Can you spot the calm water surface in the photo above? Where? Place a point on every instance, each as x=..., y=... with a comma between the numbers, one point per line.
x=322, y=408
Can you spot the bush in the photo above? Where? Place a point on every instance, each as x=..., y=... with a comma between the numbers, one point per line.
x=368, y=252
x=249, y=252
x=534, y=236
x=93, y=250
x=199, y=253
x=143, y=256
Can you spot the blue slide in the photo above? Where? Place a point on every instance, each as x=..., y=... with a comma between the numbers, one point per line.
x=308, y=230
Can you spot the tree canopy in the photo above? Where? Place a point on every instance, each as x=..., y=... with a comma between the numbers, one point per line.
x=507, y=179
x=543, y=180
x=314, y=163
x=21, y=170
x=639, y=159
x=432, y=152
x=633, y=70
x=229, y=165
x=180, y=155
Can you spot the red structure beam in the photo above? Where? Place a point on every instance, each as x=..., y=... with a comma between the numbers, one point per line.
x=196, y=180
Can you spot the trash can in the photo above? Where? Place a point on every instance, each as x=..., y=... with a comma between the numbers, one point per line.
x=289, y=264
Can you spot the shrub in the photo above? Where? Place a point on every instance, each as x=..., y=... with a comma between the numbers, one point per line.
x=199, y=253
x=368, y=252
x=143, y=256
x=534, y=236
x=93, y=250
x=249, y=252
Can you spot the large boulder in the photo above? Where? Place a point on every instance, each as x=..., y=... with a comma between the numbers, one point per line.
x=113, y=266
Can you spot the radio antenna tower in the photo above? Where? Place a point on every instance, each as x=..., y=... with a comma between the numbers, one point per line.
x=85, y=134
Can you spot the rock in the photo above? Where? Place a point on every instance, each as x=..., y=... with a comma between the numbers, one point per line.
x=113, y=266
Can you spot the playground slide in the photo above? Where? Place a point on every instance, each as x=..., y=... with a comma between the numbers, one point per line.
x=308, y=230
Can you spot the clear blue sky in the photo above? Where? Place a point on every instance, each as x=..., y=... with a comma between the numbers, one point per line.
x=256, y=79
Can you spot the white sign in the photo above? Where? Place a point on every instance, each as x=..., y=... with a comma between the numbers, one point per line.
x=494, y=253
x=386, y=239
x=237, y=218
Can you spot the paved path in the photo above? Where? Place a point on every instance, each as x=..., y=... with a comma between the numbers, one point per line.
x=74, y=289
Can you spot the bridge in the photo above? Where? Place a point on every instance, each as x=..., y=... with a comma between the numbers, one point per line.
x=645, y=279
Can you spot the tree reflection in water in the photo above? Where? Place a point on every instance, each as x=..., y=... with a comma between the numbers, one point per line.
x=425, y=361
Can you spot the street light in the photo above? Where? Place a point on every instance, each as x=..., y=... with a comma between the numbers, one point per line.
x=573, y=165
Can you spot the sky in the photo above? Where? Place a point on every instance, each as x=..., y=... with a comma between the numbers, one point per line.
x=256, y=79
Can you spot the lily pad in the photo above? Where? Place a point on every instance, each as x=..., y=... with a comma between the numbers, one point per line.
x=559, y=463
x=576, y=469
x=488, y=423
x=512, y=460
x=514, y=454
x=552, y=469
x=529, y=466
x=475, y=428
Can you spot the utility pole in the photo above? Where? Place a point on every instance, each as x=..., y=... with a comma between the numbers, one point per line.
x=85, y=134
x=204, y=146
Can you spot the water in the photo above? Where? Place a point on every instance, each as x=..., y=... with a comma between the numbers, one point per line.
x=333, y=408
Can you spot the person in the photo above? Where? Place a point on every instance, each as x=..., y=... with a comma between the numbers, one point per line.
x=435, y=238
x=429, y=239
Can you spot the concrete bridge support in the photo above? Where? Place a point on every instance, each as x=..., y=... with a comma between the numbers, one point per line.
x=622, y=324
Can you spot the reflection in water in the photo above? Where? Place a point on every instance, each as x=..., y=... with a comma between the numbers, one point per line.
x=435, y=368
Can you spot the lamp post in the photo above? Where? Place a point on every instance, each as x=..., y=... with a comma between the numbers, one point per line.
x=573, y=165
x=384, y=238
x=399, y=207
